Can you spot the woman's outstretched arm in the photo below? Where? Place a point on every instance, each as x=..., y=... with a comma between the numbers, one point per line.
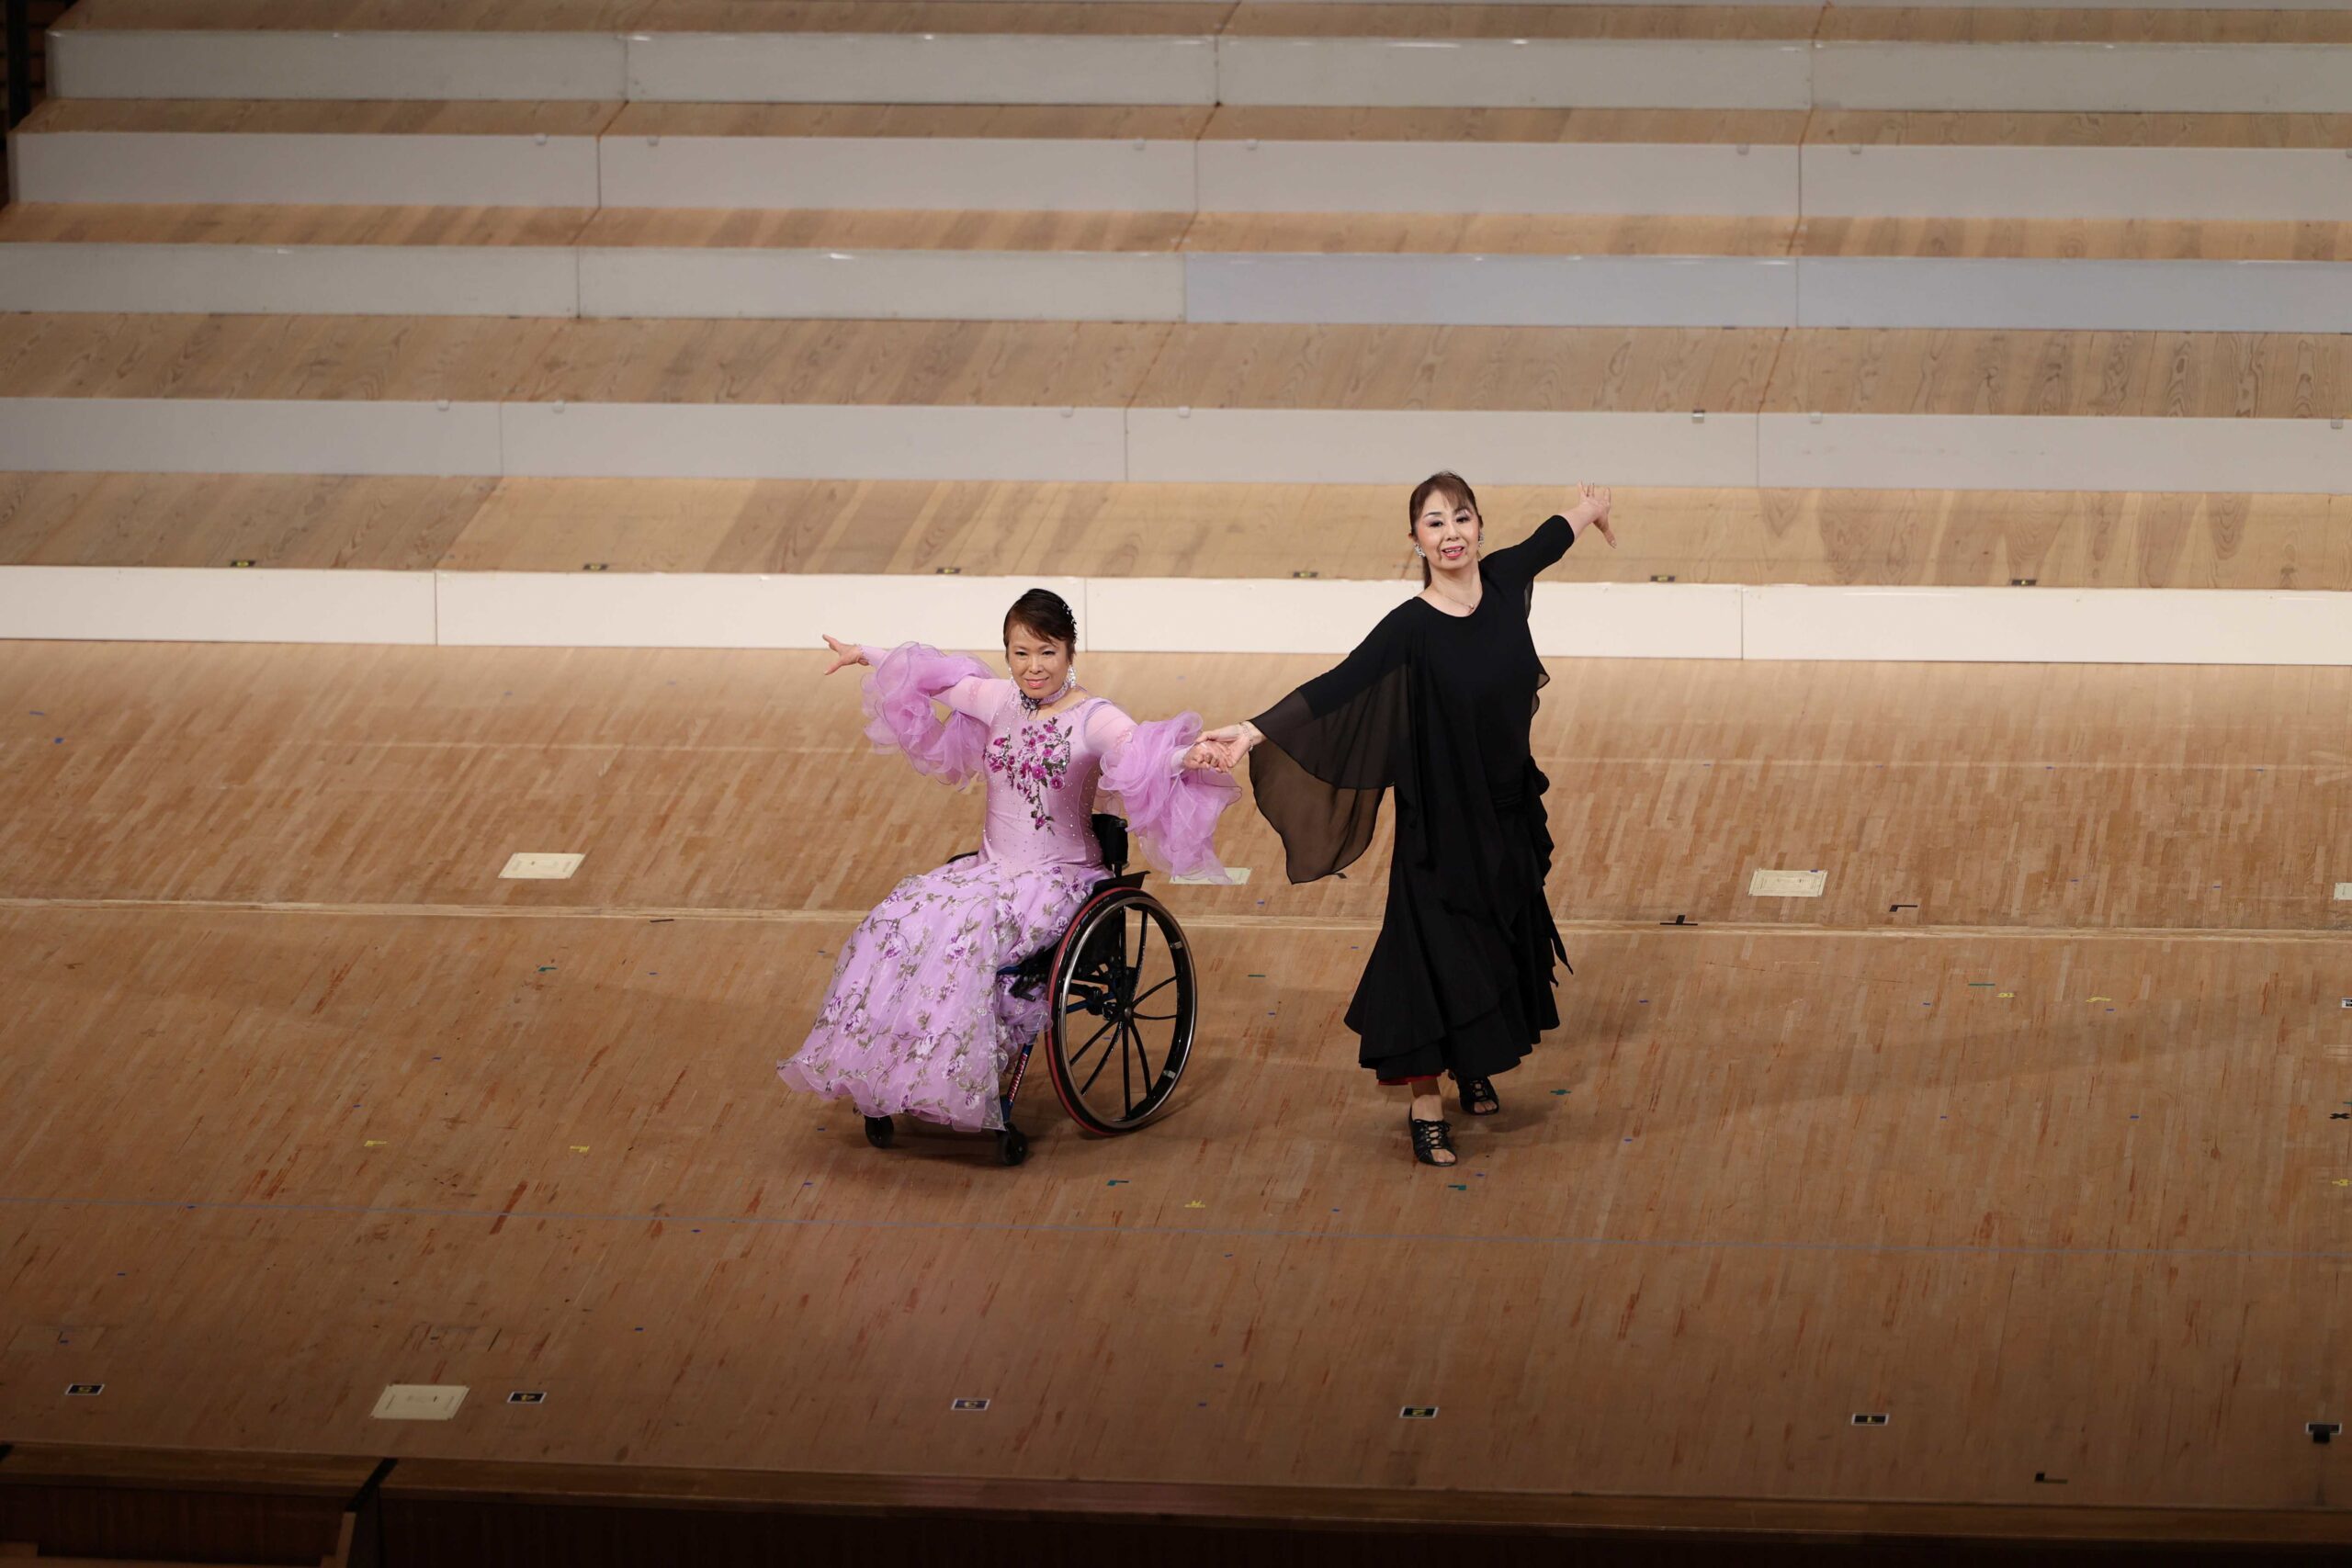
x=1521, y=563
x=964, y=684
x=1364, y=666
x=898, y=698
x=1174, y=789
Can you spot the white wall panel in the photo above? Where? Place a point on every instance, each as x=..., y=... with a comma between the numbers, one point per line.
x=911, y=172
x=1515, y=72
x=2176, y=78
x=514, y=609
x=2112, y=626
x=344, y=280
x=812, y=441
x=2025, y=452
x=116, y=62
x=1505, y=176
x=223, y=436
x=922, y=284
x=2076, y=294
x=1495, y=290
x=174, y=167
x=921, y=68
x=1358, y=447
x=2265, y=183
x=222, y=605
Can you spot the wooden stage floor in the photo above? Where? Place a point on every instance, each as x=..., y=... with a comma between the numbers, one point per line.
x=297, y=1099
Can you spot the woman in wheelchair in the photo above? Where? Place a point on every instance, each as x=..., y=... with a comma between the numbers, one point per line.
x=923, y=1015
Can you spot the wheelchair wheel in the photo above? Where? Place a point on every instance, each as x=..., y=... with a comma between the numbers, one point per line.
x=1123, y=1013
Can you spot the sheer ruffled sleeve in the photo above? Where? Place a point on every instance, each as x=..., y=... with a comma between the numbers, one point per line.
x=898, y=697
x=1171, y=809
x=1332, y=748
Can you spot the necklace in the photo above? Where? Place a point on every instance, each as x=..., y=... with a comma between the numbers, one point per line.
x=1030, y=705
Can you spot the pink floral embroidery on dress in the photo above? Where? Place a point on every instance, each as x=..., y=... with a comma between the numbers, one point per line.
x=1034, y=759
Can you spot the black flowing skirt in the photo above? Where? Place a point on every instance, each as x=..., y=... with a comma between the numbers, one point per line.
x=1460, y=980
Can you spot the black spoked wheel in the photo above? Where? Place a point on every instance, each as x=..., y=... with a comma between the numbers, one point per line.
x=1121, y=1029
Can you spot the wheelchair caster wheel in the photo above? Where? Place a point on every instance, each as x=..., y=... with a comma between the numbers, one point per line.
x=880, y=1132
x=1011, y=1148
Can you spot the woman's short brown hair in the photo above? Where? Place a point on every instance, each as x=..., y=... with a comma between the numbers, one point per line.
x=1046, y=614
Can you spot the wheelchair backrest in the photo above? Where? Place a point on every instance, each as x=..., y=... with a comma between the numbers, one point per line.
x=1110, y=835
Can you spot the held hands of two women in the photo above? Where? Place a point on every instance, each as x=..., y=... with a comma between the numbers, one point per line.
x=1225, y=747
x=1222, y=748
x=1206, y=755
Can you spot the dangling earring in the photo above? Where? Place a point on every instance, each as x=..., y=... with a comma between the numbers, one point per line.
x=1421, y=552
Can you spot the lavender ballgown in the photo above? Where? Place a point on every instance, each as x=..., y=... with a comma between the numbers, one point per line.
x=917, y=1019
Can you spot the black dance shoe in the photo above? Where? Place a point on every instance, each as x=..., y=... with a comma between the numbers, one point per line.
x=1428, y=1138
x=1478, y=1097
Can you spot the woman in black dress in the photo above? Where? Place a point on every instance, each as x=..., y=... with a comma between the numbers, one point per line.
x=1437, y=704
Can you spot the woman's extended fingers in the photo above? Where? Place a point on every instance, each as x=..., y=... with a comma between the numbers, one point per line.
x=844, y=653
x=1602, y=498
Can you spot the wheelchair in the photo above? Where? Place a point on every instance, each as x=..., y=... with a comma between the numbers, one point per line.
x=1121, y=990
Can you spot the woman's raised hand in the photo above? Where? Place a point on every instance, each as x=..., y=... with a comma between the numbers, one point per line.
x=844, y=654
x=1591, y=510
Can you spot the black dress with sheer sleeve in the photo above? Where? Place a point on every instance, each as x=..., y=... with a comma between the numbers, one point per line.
x=1439, y=708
